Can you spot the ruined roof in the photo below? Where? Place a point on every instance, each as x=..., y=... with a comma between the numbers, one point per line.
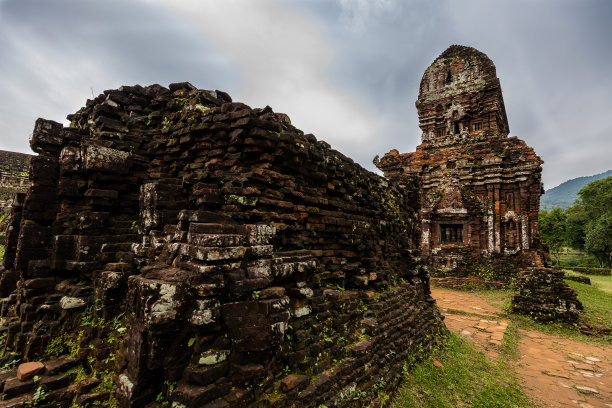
x=457, y=70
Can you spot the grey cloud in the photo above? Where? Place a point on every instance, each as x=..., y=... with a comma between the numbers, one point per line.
x=56, y=54
x=339, y=67
x=283, y=58
x=552, y=57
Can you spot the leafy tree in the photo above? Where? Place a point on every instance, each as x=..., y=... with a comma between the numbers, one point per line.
x=598, y=239
x=596, y=203
x=596, y=197
x=576, y=220
x=553, y=229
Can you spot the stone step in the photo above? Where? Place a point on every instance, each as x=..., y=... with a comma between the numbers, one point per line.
x=18, y=402
x=296, y=255
x=215, y=240
x=210, y=228
x=191, y=395
x=13, y=387
x=212, y=253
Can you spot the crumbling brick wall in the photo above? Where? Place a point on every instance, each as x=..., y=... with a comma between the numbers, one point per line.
x=251, y=262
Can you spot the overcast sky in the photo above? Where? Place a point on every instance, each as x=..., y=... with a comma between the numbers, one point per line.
x=346, y=70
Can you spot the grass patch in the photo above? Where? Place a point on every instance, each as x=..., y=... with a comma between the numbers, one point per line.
x=468, y=379
x=597, y=302
x=510, y=350
x=497, y=297
x=573, y=257
x=1, y=252
x=603, y=283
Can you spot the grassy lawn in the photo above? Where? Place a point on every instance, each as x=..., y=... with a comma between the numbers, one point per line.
x=597, y=301
x=603, y=283
x=468, y=379
x=573, y=257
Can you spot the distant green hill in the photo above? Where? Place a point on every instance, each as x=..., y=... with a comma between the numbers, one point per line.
x=566, y=193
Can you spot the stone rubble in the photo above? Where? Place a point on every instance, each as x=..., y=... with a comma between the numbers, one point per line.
x=543, y=295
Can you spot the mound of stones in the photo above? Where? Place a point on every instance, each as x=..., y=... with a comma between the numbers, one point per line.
x=543, y=295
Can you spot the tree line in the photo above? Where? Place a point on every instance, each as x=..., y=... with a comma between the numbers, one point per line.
x=585, y=226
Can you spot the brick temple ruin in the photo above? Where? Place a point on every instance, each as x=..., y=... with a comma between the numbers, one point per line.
x=179, y=247
x=480, y=189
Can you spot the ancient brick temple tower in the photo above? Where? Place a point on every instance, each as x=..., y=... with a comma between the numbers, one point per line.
x=480, y=189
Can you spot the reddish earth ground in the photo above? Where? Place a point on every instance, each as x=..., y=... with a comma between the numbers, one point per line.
x=555, y=371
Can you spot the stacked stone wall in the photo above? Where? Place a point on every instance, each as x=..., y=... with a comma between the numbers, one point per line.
x=543, y=295
x=238, y=259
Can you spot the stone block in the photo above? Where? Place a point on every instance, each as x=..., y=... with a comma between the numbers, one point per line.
x=14, y=387
x=46, y=135
x=53, y=382
x=100, y=193
x=157, y=302
x=207, y=374
x=18, y=402
x=92, y=399
x=59, y=365
x=247, y=373
x=99, y=158
x=71, y=160
x=192, y=396
x=26, y=371
x=68, y=303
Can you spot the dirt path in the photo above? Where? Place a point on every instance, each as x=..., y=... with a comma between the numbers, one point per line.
x=555, y=371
